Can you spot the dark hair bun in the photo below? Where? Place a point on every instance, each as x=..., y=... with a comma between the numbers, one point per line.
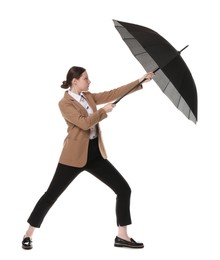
x=64, y=85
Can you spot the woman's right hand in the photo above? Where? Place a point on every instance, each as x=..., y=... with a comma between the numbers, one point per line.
x=147, y=77
x=109, y=107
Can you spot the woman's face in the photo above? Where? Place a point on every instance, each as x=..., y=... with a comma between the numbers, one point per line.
x=81, y=84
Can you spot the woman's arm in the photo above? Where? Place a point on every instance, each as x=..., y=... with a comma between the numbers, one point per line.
x=112, y=95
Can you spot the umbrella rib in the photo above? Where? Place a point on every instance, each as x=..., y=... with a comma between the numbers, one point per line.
x=128, y=38
x=189, y=113
x=137, y=54
x=179, y=102
x=166, y=87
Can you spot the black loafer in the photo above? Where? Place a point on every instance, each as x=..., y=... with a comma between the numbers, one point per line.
x=27, y=243
x=119, y=242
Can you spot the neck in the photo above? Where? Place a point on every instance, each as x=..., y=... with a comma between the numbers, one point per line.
x=74, y=90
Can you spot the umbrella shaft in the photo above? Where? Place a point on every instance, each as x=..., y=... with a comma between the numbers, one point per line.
x=116, y=101
x=178, y=52
x=156, y=70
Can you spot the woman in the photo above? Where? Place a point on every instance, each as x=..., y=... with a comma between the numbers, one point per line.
x=83, y=150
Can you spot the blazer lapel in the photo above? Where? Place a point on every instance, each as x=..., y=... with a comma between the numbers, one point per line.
x=76, y=104
x=90, y=101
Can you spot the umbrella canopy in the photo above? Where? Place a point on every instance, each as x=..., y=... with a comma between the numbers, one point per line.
x=156, y=54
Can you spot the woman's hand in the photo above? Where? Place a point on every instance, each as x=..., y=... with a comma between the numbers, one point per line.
x=109, y=107
x=147, y=77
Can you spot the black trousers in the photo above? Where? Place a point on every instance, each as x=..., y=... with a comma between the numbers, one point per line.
x=101, y=169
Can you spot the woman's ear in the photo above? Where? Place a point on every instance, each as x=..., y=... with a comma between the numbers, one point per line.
x=74, y=81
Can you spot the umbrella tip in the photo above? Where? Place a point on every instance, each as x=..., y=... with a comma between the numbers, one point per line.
x=183, y=48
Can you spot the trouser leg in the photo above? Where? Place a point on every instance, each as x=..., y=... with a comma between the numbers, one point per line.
x=108, y=174
x=63, y=176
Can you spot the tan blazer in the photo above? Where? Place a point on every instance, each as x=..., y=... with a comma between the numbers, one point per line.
x=75, y=148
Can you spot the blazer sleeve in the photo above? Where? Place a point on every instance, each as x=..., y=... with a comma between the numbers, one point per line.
x=76, y=117
x=112, y=95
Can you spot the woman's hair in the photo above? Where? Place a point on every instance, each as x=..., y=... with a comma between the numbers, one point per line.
x=74, y=72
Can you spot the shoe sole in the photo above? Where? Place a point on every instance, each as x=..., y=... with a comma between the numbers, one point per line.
x=27, y=248
x=128, y=246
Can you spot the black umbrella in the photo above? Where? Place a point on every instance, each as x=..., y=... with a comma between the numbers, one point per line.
x=171, y=72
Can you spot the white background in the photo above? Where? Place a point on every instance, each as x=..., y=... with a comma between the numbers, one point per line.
x=171, y=164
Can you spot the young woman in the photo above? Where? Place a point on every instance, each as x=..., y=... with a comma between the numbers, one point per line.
x=83, y=150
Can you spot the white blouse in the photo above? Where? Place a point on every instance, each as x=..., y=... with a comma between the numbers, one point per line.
x=82, y=100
